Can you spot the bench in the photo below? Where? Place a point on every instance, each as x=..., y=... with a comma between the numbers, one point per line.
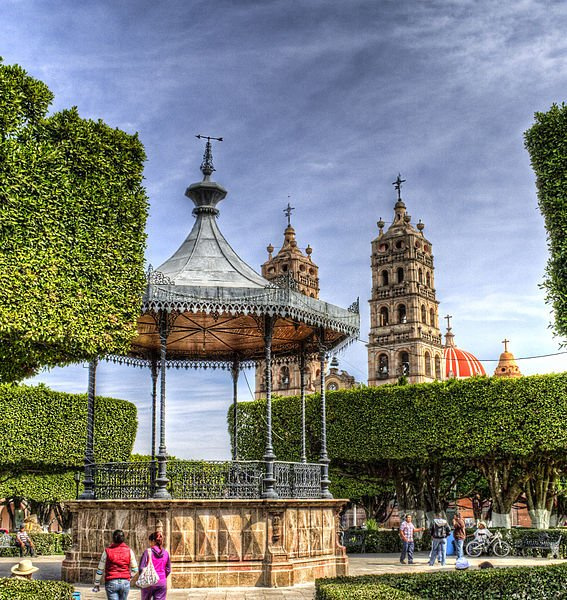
x=539, y=541
x=354, y=540
x=7, y=541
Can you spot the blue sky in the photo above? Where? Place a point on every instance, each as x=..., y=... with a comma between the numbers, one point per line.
x=325, y=102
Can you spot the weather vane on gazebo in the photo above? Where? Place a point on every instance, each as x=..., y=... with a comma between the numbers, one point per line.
x=398, y=185
x=287, y=213
x=207, y=167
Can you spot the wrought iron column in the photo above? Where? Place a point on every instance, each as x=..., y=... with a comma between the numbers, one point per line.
x=88, y=482
x=235, y=370
x=302, y=391
x=161, y=479
x=323, y=458
x=269, y=456
x=154, y=372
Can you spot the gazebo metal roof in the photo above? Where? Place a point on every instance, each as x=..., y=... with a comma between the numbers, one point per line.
x=216, y=302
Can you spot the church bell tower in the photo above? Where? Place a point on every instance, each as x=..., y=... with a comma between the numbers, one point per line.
x=405, y=339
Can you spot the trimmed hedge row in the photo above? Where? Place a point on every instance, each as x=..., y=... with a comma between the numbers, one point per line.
x=530, y=583
x=48, y=429
x=21, y=589
x=45, y=544
x=387, y=541
x=456, y=419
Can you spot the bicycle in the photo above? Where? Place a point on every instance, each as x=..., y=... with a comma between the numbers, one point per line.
x=495, y=545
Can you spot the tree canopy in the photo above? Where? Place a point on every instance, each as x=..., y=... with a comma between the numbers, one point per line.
x=546, y=142
x=428, y=439
x=72, y=218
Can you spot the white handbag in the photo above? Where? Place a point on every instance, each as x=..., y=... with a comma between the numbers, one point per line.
x=148, y=575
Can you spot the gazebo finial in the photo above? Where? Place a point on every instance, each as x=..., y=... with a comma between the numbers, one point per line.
x=207, y=167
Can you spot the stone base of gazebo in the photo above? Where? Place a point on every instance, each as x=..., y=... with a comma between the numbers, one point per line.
x=216, y=543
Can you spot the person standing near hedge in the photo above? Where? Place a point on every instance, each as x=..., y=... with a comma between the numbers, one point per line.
x=118, y=564
x=407, y=529
x=439, y=531
x=459, y=534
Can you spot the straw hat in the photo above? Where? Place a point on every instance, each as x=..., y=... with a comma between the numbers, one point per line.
x=24, y=567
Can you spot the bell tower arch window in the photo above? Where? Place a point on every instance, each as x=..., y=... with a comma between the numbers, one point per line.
x=383, y=368
x=403, y=363
x=428, y=280
x=427, y=364
x=384, y=316
x=284, y=376
x=400, y=274
x=432, y=318
x=402, y=314
x=384, y=278
x=423, y=314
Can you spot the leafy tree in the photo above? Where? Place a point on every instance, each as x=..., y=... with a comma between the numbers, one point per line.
x=546, y=142
x=509, y=431
x=72, y=217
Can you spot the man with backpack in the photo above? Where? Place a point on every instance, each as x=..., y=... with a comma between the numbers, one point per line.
x=439, y=531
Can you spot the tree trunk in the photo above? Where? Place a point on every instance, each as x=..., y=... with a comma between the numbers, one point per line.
x=541, y=490
x=540, y=518
x=502, y=519
x=506, y=478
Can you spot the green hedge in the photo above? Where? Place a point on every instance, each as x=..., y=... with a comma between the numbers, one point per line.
x=450, y=420
x=531, y=583
x=72, y=233
x=20, y=589
x=387, y=541
x=546, y=142
x=45, y=544
x=47, y=429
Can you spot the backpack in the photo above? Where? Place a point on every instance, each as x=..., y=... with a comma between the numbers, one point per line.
x=439, y=531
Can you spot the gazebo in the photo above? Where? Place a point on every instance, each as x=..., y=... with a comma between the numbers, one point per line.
x=205, y=307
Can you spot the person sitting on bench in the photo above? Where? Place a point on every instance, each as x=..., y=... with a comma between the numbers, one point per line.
x=24, y=542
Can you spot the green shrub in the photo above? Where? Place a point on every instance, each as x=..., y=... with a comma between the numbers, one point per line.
x=21, y=589
x=337, y=591
x=51, y=428
x=45, y=544
x=387, y=541
x=529, y=583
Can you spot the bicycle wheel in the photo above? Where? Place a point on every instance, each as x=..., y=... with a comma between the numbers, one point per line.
x=474, y=548
x=501, y=548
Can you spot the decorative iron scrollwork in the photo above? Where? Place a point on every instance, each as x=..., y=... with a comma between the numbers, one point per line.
x=205, y=479
x=157, y=277
x=355, y=307
x=286, y=281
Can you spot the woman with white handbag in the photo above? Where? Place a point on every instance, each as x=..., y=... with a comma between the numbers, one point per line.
x=155, y=566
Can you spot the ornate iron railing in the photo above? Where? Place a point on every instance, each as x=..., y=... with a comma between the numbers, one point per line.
x=205, y=479
x=297, y=480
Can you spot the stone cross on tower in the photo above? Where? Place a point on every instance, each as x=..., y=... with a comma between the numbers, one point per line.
x=287, y=213
x=398, y=185
x=505, y=342
x=448, y=317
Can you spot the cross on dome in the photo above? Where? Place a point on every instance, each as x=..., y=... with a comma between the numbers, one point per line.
x=398, y=185
x=287, y=213
x=448, y=317
x=505, y=342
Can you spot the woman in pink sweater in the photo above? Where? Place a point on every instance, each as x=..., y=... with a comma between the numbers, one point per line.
x=160, y=558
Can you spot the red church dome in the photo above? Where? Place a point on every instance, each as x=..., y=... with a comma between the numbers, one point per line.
x=459, y=364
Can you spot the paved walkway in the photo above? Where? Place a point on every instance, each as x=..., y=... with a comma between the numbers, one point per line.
x=360, y=564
